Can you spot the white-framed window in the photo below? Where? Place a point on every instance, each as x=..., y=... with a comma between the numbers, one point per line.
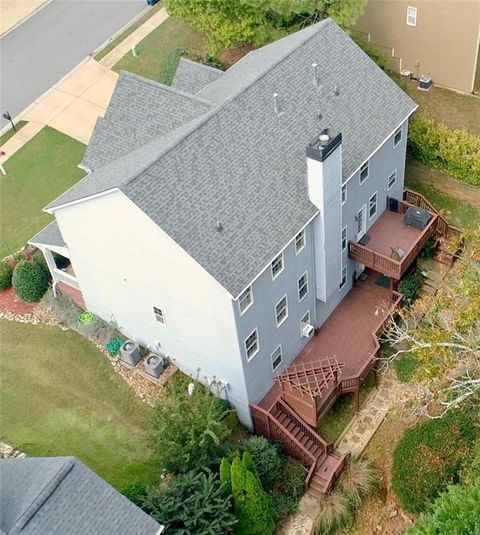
x=252, y=345
x=303, y=286
x=300, y=241
x=372, y=205
x=364, y=172
x=344, y=194
x=277, y=266
x=344, y=238
x=411, y=16
x=277, y=358
x=281, y=311
x=304, y=321
x=397, y=137
x=392, y=179
x=159, y=315
x=344, y=278
x=245, y=300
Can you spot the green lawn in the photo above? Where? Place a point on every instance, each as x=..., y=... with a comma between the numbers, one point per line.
x=60, y=396
x=155, y=50
x=128, y=31
x=10, y=133
x=39, y=172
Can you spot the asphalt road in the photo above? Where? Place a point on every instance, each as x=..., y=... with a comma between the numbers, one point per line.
x=47, y=46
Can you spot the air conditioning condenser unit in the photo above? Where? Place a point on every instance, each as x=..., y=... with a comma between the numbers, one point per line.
x=307, y=330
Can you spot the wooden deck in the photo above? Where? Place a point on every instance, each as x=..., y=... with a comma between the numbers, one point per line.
x=348, y=332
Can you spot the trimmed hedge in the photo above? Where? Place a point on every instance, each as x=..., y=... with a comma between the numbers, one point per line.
x=456, y=152
x=430, y=456
x=29, y=281
x=5, y=275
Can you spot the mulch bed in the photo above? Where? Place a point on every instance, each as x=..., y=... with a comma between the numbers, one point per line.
x=9, y=302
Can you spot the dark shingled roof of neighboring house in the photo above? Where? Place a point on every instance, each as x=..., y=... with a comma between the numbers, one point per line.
x=191, y=76
x=242, y=164
x=60, y=495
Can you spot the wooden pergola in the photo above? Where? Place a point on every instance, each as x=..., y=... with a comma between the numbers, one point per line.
x=311, y=378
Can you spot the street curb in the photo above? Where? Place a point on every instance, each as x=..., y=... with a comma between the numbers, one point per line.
x=20, y=22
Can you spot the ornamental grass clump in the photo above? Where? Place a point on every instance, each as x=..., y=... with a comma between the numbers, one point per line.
x=335, y=513
x=358, y=480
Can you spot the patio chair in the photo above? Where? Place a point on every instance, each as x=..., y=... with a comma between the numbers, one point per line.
x=397, y=253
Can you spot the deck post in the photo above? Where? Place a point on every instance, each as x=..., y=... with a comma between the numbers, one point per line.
x=357, y=400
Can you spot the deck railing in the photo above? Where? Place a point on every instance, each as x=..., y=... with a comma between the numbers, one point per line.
x=66, y=278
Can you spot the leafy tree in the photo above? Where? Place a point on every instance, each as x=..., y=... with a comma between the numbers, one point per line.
x=193, y=504
x=456, y=512
x=186, y=430
x=231, y=22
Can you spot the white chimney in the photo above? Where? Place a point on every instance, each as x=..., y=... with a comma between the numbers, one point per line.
x=324, y=176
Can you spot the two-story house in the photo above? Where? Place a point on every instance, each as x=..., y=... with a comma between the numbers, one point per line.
x=249, y=225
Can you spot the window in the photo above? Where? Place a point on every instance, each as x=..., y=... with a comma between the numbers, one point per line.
x=159, y=316
x=392, y=179
x=277, y=358
x=300, y=241
x=245, y=300
x=397, y=137
x=344, y=238
x=304, y=321
x=344, y=194
x=251, y=345
x=302, y=286
x=344, y=278
x=277, y=266
x=363, y=172
x=372, y=205
x=281, y=311
x=411, y=16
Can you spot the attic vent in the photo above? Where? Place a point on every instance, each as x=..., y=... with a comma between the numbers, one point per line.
x=323, y=138
x=278, y=104
x=315, y=75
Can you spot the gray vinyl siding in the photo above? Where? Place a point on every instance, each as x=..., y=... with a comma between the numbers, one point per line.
x=261, y=316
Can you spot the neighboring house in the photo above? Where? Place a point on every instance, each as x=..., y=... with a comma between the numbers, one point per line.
x=60, y=495
x=440, y=38
x=223, y=220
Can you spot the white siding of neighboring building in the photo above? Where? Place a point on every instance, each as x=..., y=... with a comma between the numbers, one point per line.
x=126, y=265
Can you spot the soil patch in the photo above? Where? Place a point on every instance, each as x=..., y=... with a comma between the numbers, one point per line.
x=9, y=302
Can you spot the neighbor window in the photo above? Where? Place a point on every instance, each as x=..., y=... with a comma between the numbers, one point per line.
x=277, y=266
x=411, y=16
x=302, y=286
x=344, y=194
x=363, y=172
x=277, y=358
x=245, y=300
x=344, y=278
x=372, y=205
x=159, y=316
x=300, y=241
x=344, y=238
x=398, y=137
x=392, y=179
x=251, y=345
x=281, y=311
x=304, y=321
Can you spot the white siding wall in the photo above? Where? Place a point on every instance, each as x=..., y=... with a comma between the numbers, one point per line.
x=125, y=265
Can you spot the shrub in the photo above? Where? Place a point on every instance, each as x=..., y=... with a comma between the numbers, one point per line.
x=114, y=345
x=39, y=259
x=374, y=53
x=5, y=275
x=406, y=365
x=470, y=471
x=455, y=512
x=136, y=493
x=335, y=513
x=29, y=281
x=428, y=250
x=192, y=504
x=186, y=430
x=429, y=457
x=169, y=68
x=455, y=151
x=289, y=487
x=358, y=480
x=267, y=458
x=410, y=286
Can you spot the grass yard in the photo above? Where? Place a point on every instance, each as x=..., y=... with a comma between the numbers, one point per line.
x=10, y=133
x=155, y=50
x=39, y=172
x=60, y=396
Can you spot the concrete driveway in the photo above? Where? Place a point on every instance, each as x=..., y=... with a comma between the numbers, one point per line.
x=38, y=53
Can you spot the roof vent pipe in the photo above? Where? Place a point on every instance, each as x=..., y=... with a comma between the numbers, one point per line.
x=277, y=104
x=315, y=75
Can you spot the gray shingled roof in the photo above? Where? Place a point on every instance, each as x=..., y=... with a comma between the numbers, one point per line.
x=191, y=76
x=59, y=495
x=50, y=235
x=245, y=166
x=139, y=110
